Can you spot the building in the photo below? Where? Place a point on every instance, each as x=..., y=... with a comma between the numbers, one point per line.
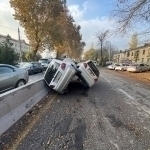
x=139, y=54
x=15, y=44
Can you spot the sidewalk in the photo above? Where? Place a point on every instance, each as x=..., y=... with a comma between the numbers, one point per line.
x=143, y=75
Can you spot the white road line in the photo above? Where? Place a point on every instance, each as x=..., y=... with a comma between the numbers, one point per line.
x=129, y=96
x=105, y=79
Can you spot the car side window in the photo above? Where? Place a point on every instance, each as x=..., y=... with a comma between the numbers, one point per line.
x=4, y=70
x=141, y=64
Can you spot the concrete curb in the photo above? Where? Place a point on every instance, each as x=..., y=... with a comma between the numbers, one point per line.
x=14, y=104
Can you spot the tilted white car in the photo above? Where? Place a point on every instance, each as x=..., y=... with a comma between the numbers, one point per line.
x=89, y=73
x=122, y=67
x=58, y=75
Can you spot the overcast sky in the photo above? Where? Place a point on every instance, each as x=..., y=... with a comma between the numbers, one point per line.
x=91, y=15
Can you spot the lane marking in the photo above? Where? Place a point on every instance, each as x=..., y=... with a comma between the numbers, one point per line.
x=105, y=79
x=125, y=93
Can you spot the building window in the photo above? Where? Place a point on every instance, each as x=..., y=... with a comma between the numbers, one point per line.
x=142, y=59
x=132, y=54
x=128, y=54
x=143, y=52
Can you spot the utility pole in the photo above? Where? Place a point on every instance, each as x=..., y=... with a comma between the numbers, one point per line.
x=20, y=57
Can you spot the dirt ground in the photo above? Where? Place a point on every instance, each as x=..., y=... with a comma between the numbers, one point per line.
x=143, y=75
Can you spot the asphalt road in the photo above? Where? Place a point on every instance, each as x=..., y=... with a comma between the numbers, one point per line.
x=113, y=115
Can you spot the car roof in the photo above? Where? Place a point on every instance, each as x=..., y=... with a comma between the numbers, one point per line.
x=8, y=65
x=56, y=60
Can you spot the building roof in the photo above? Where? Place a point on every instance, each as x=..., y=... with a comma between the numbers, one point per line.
x=8, y=36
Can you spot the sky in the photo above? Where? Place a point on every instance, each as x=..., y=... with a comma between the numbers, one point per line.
x=92, y=15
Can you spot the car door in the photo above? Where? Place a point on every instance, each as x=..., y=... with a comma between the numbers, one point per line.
x=142, y=67
x=7, y=78
x=35, y=67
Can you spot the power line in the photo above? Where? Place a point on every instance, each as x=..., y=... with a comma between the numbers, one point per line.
x=16, y=30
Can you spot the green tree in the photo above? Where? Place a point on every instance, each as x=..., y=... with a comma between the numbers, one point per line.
x=91, y=54
x=7, y=54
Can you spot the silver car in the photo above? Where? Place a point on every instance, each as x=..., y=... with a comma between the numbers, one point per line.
x=12, y=77
x=137, y=67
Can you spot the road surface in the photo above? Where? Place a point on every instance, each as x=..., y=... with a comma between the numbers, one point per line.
x=113, y=115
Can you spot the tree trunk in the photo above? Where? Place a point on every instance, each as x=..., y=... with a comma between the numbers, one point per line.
x=101, y=54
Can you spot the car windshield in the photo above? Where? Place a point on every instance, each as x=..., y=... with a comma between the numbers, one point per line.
x=93, y=67
x=52, y=69
x=43, y=60
x=134, y=65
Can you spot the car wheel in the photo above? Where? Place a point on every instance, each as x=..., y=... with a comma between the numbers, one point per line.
x=66, y=91
x=122, y=69
x=20, y=83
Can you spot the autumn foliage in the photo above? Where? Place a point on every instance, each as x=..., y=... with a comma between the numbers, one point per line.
x=48, y=25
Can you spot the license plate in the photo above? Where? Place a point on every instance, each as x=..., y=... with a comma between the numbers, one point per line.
x=57, y=77
x=90, y=71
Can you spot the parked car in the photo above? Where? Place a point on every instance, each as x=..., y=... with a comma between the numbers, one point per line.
x=32, y=67
x=45, y=62
x=58, y=75
x=89, y=73
x=137, y=67
x=148, y=67
x=122, y=67
x=12, y=77
x=20, y=64
x=113, y=66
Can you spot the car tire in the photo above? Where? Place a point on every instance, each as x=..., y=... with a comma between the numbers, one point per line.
x=122, y=69
x=66, y=91
x=20, y=83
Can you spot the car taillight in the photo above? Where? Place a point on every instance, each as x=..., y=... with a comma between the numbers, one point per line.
x=95, y=79
x=52, y=86
x=85, y=65
x=63, y=66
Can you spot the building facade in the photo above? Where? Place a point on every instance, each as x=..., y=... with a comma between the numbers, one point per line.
x=140, y=55
x=15, y=44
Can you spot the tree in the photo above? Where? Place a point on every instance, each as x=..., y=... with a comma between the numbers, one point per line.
x=102, y=37
x=38, y=19
x=134, y=41
x=130, y=12
x=48, y=25
x=28, y=56
x=91, y=54
x=7, y=54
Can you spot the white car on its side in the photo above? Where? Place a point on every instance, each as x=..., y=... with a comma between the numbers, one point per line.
x=59, y=74
x=89, y=73
x=122, y=67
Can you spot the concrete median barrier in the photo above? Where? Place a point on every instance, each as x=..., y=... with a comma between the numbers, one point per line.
x=14, y=104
